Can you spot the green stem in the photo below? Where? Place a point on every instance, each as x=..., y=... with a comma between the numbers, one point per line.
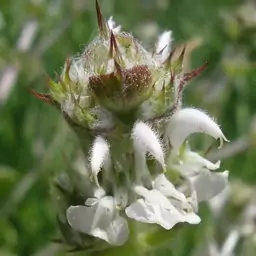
x=159, y=236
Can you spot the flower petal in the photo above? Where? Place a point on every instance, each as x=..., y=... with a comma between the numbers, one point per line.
x=77, y=220
x=140, y=166
x=186, y=211
x=192, y=163
x=100, y=151
x=163, y=45
x=188, y=121
x=112, y=25
x=162, y=184
x=152, y=213
x=116, y=234
x=156, y=208
x=209, y=184
x=77, y=73
x=146, y=139
x=99, y=220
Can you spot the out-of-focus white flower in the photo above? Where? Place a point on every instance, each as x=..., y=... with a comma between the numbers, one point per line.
x=228, y=247
x=99, y=219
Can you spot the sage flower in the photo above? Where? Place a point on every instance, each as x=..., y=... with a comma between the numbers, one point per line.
x=125, y=105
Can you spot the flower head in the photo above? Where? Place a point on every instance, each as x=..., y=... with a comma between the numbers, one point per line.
x=125, y=105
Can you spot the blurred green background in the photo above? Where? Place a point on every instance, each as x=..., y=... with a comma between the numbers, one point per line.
x=36, y=36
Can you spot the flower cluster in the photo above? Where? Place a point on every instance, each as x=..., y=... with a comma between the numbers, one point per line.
x=125, y=104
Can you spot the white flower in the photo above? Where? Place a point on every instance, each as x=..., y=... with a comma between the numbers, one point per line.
x=188, y=121
x=99, y=219
x=156, y=208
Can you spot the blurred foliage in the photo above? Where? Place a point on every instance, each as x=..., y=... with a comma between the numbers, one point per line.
x=35, y=142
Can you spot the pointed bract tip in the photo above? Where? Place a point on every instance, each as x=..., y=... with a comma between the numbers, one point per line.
x=118, y=70
x=48, y=80
x=68, y=63
x=103, y=26
x=41, y=96
x=167, y=62
x=190, y=75
x=222, y=140
x=182, y=54
x=113, y=44
x=162, y=50
x=136, y=47
x=114, y=47
x=60, y=81
x=172, y=77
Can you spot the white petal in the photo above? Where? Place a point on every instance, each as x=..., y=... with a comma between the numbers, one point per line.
x=140, y=166
x=77, y=220
x=91, y=201
x=112, y=25
x=191, y=218
x=152, y=196
x=188, y=121
x=77, y=73
x=192, y=163
x=118, y=231
x=99, y=192
x=138, y=211
x=152, y=213
x=100, y=151
x=99, y=220
x=195, y=158
x=193, y=201
x=162, y=184
x=146, y=139
x=121, y=196
x=116, y=234
x=209, y=184
x=156, y=208
x=163, y=44
x=105, y=213
x=186, y=211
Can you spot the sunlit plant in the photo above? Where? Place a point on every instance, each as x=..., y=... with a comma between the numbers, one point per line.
x=137, y=169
